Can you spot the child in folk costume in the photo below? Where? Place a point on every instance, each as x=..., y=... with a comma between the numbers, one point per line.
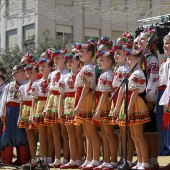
x=162, y=83
x=138, y=113
x=13, y=136
x=104, y=88
x=40, y=92
x=67, y=92
x=25, y=120
x=27, y=58
x=152, y=69
x=85, y=83
x=165, y=98
x=120, y=72
x=51, y=109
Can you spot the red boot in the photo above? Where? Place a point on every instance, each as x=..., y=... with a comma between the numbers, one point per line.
x=8, y=154
x=23, y=154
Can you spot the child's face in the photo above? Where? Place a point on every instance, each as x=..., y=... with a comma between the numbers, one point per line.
x=135, y=43
x=142, y=41
x=120, y=56
x=131, y=61
x=44, y=68
x=84, y=54
x=32, y=75
x=73, y=63
x=120, y=40
x=19, y=75
x=167, y=46
x=59, y=60
x=104, y=63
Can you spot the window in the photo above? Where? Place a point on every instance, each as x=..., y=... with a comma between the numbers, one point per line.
x=89, y=37
x=66, y=32
x=116, y=34
x=28, y=5
x=11, y=39
x=28, y=32
x=92, y=33
x=11, y=7
x=64, y=2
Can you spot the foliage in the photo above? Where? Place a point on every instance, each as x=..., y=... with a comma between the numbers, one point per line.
x=11, y=57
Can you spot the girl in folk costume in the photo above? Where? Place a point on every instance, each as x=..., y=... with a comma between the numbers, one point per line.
x=25, y=120
x=51, y=109
x=40, y=92
x=104, y=88
x=152, y=69
x=120, y=72
x=165, y=98
x=85, y=83
x=138, y=113
x=162, y=83
x=67, y=92
x=13, y=136
x=27, y=58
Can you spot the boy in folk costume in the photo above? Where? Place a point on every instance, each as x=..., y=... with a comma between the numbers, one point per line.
x=13, y=136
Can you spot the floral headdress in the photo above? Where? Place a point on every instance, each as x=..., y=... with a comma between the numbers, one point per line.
x=68, y=56
x=104, y=53
x=44, y=60
x=117, y=47
x=150, y=30
x=57, y=52
x=105, y=41
x=49, y=52
x=31, y=66
x=29, y=57
x=90, y=42
x=132, y=52
x=128, y=38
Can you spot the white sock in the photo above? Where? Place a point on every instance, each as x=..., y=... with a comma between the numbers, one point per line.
x=72, y=162
x=49, y=160
x=57, y=161
x=94, y=162
x=86, y=163
x=154, y=161
x=130, y=163
x=139, y=164
x=146, y=165
x=105, y=164
x=114, y=163
x=65, y=161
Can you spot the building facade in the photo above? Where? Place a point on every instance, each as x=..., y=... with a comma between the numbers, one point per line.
x=24, y=19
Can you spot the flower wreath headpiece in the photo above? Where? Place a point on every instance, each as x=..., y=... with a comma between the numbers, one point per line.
x=29, y=57
x=104, y=53
x=105, y=41
x=117, y=47
x=68, y=56
x=128, y=38
x=31, y=66
x=44, y=60
x=132, y=52
x=60, y=51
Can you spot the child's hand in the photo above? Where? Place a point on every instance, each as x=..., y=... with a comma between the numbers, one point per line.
x=96, y=116
x=60, y=114
x=3, y=118
x=77, y=110
x=149, y=105
x=116, y=112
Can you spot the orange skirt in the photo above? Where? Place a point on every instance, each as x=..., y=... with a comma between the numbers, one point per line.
x=86, y=113
x=139, y=114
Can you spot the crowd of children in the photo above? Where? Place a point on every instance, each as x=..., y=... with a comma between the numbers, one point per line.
x=63, y=100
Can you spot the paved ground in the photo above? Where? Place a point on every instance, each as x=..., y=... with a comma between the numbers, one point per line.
x=163, y=160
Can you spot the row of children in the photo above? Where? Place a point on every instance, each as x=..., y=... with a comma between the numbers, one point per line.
x=64, y=100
